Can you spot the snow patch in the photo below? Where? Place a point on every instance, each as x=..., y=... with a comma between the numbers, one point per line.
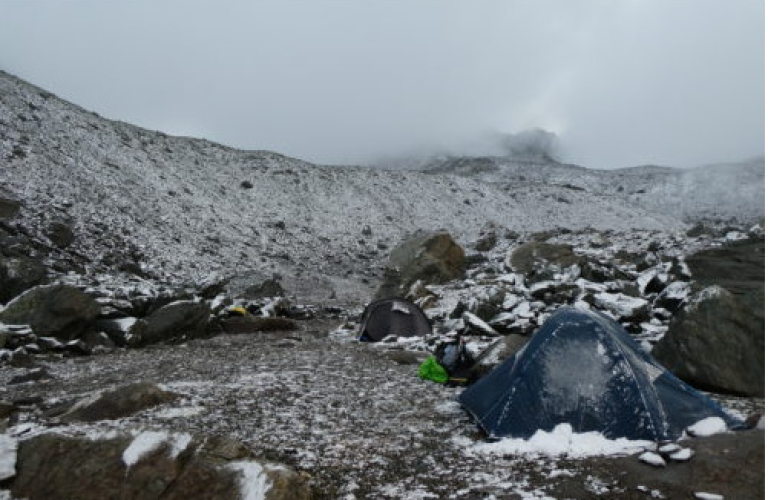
x=8, y=449
x=708, y=427
x=683, y=455
x=149, y=441
x=143, y=444
x=254, y=483
x=125, y=324
x=562, y=442
x=708, y=293
x=449, y=408
x=188, y=411
x=708, y=496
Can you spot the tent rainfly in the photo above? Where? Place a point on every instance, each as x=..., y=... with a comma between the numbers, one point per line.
x=393, y=316
x=584, y=369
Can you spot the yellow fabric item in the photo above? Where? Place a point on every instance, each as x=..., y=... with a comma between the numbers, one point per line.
x=238, y=311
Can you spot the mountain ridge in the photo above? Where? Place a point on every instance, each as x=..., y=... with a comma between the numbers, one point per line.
x=185, y=207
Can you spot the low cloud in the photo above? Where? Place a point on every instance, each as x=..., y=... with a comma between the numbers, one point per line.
x=620, y=83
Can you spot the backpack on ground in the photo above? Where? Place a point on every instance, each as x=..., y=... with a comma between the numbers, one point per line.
x=456, y=359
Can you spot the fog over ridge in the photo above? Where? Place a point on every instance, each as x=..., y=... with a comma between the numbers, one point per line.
x=621, y=83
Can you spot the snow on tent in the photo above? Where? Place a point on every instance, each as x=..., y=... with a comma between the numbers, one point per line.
x=393, y=316
x=583, y=369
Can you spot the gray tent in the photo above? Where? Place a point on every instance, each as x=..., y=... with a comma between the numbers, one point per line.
x=393, y=316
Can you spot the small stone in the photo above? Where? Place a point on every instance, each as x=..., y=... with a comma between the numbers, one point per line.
x=701, y=495
x=669, y=448
x=683, y=455
x=478, y=326
x=653, y=459
x=31, y=376
x=50, y=343
x=78, y=347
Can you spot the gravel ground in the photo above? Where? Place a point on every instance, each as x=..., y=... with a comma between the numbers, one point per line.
x=364, y=426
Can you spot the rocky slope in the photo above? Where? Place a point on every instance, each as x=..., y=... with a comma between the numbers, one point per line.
x=181, y=208
x=732, y=192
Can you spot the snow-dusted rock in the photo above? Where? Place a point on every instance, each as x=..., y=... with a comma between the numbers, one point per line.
x=19, y=273
x=673, y=296
x=177, y=321
x=540, y=261
x=622, y=307
x=122, y=331
x=652, y=458
x=669, y=448
x=433, y=257
x=511, y=300
x=718, y=341
x=478, y=326
x=524, y=310
x=266, y=289
x=50, y=343
x=554, y=291
x=117, y=403
x=33, y=375
x=515, y=280
x=146, y=464
x=486, y=242
x=653, y=280
x=57, y=311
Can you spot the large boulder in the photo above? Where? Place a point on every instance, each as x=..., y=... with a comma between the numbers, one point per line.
x=432, y=257
x=717, y=342
x=59, y=311
x=738, y=267
x=539, y=261
x=19, y=274
x=147, y=466
x=175, y=322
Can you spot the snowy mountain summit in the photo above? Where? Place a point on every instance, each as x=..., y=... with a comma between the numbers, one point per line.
x=183, y=208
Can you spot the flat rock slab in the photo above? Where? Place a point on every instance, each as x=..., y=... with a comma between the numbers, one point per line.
x=117, y=403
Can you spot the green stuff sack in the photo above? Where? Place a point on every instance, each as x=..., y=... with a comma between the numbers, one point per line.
x=430, y=369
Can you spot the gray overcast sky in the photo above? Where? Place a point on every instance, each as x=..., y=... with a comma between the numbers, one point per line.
x=623, y=82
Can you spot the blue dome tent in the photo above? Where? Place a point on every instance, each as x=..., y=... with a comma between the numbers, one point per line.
x=583, y=369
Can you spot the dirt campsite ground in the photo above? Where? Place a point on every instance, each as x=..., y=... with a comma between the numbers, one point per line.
x=360, y=422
